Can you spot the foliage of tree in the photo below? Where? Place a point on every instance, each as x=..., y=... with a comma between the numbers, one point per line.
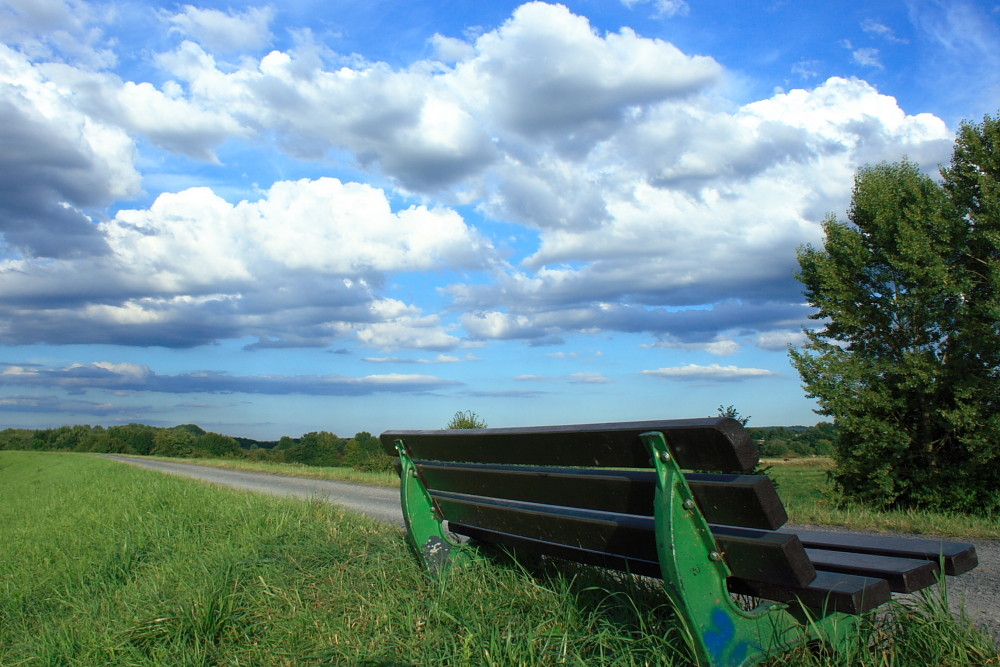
x=908, y=360
x=177, y=442
x=286, y=443
x=733, y=413
x=319, y=448
x=364, y=452
x=466, y=419
x=218, y=445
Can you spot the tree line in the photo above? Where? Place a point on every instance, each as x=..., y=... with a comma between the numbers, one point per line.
x=321, y=448
x=787, y=441
x=795, y=441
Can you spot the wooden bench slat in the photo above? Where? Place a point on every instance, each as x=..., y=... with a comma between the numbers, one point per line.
x=755, y=554
x=764, y=555
x=715, y=443
x=905, y=575
x=738, y=500
x=742, y=500
x=958, y=557
x=834, y=591
x=639, y=566
x=608, y=532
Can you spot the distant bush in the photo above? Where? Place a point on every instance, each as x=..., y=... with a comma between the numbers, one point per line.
x=466, y=419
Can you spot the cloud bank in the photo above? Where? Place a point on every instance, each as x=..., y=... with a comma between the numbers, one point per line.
x=128, y=377
x=652, y=204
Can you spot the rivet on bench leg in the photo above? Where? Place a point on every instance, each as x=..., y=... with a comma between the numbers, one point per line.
x=715, y=555
x=689, y=504
x=664, y=455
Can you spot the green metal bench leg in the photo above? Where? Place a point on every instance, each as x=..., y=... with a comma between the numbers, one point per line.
x=694, y=576
x=432, y=544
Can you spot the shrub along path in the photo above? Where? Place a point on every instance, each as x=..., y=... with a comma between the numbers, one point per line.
x=978, y=590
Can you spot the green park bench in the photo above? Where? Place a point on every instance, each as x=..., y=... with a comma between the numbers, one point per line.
x=664, y=499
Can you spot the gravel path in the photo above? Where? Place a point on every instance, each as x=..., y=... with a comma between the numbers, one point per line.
x=978, y=590
x=375, y=501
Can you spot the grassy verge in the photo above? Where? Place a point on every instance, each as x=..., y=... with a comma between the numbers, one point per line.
x=339, y=474
x=804, y=487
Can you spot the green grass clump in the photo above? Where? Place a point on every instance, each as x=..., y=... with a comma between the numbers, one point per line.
x=914, y=631
x=808, y=495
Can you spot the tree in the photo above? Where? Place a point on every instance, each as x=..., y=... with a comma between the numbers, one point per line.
x=467, y=419
x=215, y=444
x=733, y=413
x=364, y=452
x=320, y=448
x=908, y=360
x=177, y=442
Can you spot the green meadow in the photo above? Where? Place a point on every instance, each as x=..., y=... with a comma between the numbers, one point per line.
x=105, y=564
x=808, y=495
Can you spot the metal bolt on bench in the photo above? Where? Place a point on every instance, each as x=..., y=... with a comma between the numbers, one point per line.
x=617, y=496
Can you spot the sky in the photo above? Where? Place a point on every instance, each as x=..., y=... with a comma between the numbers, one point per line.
x=347, y=215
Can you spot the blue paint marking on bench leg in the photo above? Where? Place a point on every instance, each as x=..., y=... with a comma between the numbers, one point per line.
x=722, y=641
x=720, y=633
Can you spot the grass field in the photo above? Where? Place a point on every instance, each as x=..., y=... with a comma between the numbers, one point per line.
x=808, y=495
x=102, y=563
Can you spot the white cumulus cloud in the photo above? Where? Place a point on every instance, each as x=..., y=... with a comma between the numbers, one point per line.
x=225, y=31
x=710, y=372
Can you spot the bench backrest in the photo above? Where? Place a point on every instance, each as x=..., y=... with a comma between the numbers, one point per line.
x=586, y=492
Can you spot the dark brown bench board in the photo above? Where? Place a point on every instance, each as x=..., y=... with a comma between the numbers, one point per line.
x=958, y=557
x=698, y=444
x=745, y=500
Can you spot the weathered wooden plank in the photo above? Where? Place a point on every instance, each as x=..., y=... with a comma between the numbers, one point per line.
x=958, y=557
x=768, y=556
x=742, y=500
x=715, y=443
x=632, y=565
x=834, y=591
x=905, y=575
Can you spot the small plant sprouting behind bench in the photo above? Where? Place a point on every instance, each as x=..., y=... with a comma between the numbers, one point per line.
x=620, y=496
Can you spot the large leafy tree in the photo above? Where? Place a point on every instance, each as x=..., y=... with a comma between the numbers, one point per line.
x=908, y=359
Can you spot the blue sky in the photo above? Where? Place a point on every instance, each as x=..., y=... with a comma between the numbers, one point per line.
x=270, y=219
